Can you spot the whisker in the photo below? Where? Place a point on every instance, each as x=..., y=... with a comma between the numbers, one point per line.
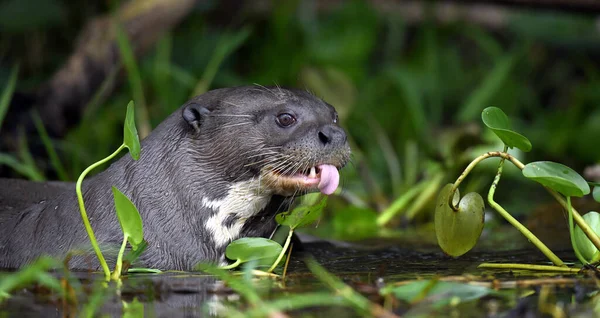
x=230, y=115
x=266, y=89
x=237, y=124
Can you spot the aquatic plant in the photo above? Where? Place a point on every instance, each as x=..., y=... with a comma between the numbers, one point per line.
x=129, y=217
x=459, y=222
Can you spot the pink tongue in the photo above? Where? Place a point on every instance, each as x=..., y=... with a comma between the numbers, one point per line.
x=330, y=179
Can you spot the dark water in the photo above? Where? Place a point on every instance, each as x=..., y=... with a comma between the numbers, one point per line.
x=363, y=267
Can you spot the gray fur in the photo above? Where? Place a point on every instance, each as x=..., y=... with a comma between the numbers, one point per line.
x=185, y=166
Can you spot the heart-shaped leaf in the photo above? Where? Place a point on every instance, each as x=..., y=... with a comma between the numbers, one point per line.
x=302, y=215
x=458, y=231
x=496, y=120
x=129, y=218
x=247, y=249
x=596, y=193
x=130, y=134
x=557, y=177
x=587, y=249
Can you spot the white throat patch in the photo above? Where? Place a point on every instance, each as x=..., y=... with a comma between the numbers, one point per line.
x=244, y=199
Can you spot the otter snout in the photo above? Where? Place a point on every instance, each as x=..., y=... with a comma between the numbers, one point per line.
x=332, y=135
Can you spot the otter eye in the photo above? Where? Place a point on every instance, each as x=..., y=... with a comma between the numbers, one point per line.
x=335, y=118
x=285, y=120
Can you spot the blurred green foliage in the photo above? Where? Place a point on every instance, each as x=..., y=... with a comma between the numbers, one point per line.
x=410, y=95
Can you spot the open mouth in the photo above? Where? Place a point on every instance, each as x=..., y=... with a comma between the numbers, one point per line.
x=323, y=177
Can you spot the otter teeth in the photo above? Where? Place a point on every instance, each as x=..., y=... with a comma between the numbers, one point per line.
x=313, y=172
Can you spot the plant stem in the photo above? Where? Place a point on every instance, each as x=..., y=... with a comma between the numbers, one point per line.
x=119, y=265
x=233, y=265
x=472, y=165
x=84, y=216
x=578, y=219
x=576, y=216
x=530, y=236
x=529, y=267
x=572, y=233
x=285, y=247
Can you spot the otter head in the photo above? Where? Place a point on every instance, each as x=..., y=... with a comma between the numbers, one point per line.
x=288, y=140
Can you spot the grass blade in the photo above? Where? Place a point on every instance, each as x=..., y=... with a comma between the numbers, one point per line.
x=54, y=159
x=8, y=92
x=491, y=85
x=224, y=48
x=135, y=80
x=22, y=169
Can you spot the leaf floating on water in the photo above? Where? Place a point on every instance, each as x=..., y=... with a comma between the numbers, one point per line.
x=253, y=249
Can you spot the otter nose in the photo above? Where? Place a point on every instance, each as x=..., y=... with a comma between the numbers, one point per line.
x=333, y=135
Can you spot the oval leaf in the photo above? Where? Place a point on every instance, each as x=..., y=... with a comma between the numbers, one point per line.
x=302, y=215
x=129, y=218
x=457, y=232
x=557, y=177
x=496, y=120
x=253, y=248
x=596, y=193
x=586, y=247
x=130, y=134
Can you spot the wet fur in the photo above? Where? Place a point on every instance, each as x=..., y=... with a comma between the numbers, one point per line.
x=184, y=167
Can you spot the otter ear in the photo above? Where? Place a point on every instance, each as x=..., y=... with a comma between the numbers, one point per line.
x=194, y=114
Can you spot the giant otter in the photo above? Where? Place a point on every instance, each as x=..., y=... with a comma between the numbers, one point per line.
x=216, y=170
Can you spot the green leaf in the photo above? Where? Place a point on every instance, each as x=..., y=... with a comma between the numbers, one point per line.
x=457, y=232
x=8, y=92
x=302, y=215
x=496, y=120
x=587, y=249
x=129, y=218
x=437, y=293
x=596, y=193
x=130, y=134
x=253, y=248
x=557, y=177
